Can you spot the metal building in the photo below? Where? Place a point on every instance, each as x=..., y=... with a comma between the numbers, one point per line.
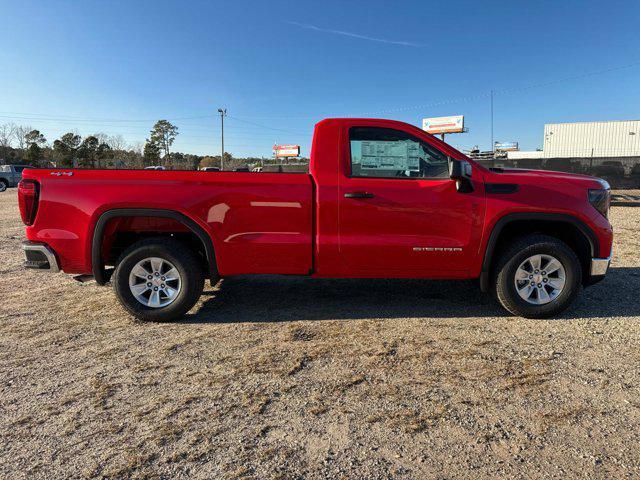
x=592, y=139
x=521, y=155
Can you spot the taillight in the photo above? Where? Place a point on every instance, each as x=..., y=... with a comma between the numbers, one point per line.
x=28, y=200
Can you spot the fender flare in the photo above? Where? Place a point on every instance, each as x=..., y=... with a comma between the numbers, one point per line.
x=100, y=275
x=512, y=217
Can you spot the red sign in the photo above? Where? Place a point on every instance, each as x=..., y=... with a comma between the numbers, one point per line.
x=286, y=150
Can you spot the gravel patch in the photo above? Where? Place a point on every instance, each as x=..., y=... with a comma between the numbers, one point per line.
x=292, y=378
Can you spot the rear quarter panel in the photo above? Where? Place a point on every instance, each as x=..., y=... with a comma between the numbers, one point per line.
x=259, y=222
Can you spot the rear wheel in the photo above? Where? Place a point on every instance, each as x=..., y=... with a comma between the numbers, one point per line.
x=538, y=276
x=158, y=279
x=3, y=185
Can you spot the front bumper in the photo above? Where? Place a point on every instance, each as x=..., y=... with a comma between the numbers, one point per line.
x=597, y=270
x=40, y=256
x=599, y=266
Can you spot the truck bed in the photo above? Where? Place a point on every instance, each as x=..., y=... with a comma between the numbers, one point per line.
x=259, y=222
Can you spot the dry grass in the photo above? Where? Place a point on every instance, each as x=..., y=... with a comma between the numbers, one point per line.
x=291, y=378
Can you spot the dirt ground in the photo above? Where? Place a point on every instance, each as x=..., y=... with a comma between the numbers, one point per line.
x=293, y=378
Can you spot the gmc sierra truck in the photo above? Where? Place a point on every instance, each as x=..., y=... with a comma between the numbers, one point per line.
x=382, y=199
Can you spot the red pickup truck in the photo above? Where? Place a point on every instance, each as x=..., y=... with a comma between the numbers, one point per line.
x=382, y=199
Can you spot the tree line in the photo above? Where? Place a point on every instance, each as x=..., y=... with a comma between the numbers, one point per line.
x=21, y=144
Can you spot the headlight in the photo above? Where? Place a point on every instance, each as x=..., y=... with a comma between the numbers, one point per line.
x=600, y=199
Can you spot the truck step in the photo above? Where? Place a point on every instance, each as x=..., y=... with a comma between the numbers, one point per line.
x=83, y=278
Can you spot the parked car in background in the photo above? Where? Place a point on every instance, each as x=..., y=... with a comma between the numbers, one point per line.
x=155, y=167
x=210, y=169
x=10, y=175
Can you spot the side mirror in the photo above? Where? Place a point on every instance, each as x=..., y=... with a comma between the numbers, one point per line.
x=461, y=172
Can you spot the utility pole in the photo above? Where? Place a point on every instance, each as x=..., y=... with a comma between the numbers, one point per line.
x=223, y=113
x=493, y=145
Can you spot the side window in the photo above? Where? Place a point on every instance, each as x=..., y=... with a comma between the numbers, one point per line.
x=19, y=169
x=388, y=153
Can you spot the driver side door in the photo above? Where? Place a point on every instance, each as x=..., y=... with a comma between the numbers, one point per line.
x=400, y=214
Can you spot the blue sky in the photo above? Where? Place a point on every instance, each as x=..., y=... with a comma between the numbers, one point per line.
x=280, y=66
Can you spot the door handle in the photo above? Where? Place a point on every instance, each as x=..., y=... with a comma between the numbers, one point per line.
x=359, y=195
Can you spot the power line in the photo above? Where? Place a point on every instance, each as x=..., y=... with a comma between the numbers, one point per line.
x=39, y=117
x=505, y=90
x=265, y=126
x=183, y=132
x=567, y=79
x=109, y=122
x=181, y=135
x=43, y=116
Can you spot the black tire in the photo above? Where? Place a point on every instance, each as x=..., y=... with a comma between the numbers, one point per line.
x=3, y=185
x=518, y=252
x=185, y=261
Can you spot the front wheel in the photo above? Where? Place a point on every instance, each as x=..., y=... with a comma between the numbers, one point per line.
x=3, y=185
x=538, y=276
x=158, y=279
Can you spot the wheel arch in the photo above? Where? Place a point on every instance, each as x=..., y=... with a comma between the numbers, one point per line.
x=565, y=227
x=97, y=265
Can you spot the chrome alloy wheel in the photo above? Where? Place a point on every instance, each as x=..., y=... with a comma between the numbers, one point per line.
x=155, y=282
x=540, y=279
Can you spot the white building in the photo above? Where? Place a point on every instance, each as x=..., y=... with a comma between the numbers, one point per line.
x=522, y=154
x=592, y=139
x=616, y=139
